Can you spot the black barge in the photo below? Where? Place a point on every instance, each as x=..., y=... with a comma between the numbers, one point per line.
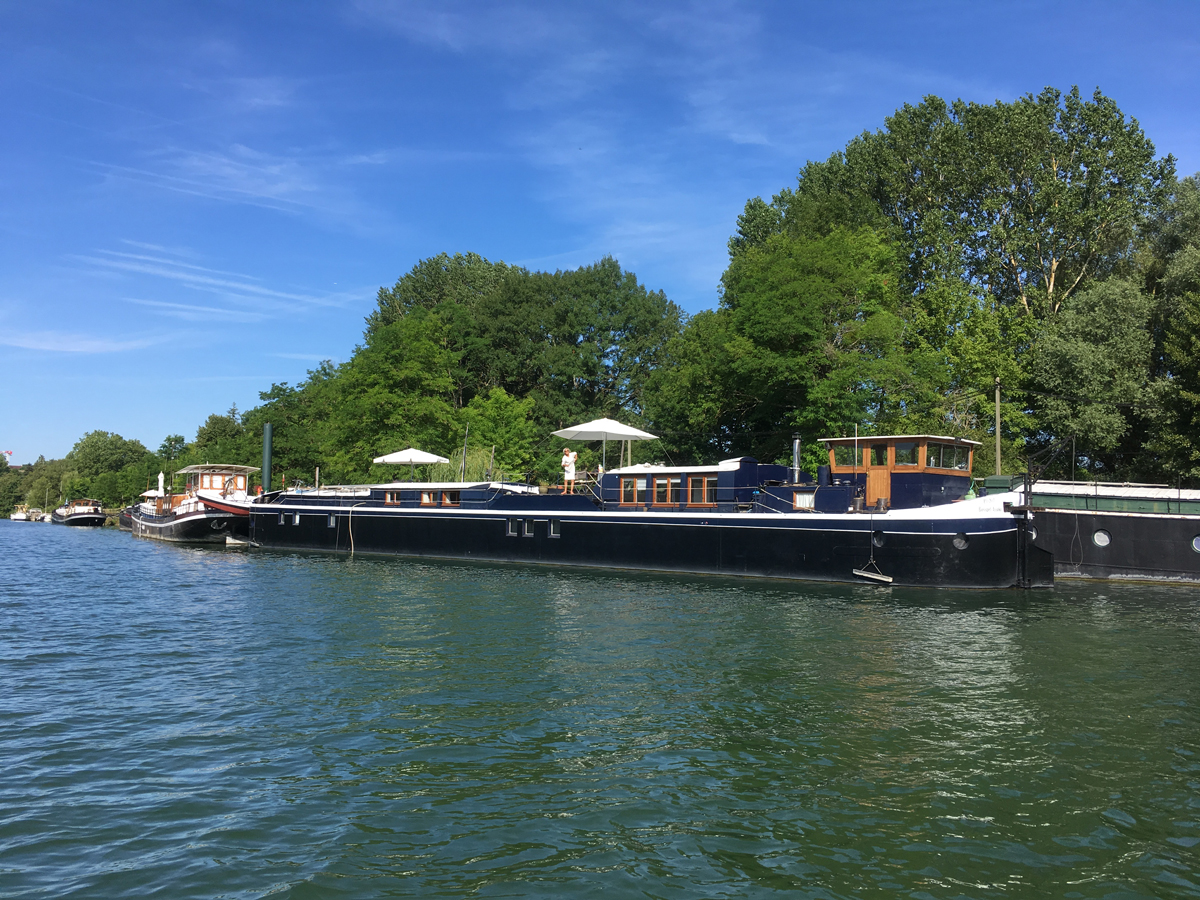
x=891, y=510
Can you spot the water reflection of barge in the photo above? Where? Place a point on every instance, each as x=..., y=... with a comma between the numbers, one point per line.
x=895, y=508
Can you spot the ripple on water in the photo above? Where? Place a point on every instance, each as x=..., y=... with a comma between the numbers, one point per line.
x=197, y=722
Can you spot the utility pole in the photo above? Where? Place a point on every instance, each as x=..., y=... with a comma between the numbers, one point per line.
x=998, y=425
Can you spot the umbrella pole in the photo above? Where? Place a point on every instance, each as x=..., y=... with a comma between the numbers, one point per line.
x=604, y=454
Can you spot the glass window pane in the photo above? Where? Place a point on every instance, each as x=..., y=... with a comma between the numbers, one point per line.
x=676, y=486
x=660, y=490
x=933, y=455
x=961, y=456
x=906, y=453
x=879, y=455
x=843, y=455
x=711, y=489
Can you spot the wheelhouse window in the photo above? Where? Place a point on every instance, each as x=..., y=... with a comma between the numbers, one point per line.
x=428, y=498
x=667, y=489
x=906, y=453
x=879, y=455
x=451, y=498
x=702, y=490
x=633, y=490
x=947, y=456
x=843, y=455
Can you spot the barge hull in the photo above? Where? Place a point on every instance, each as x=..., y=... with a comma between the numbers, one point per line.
x=1140, y=546
x=208, y=527
x=761, y=547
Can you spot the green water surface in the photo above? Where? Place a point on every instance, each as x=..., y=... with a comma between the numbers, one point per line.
x=183, y=722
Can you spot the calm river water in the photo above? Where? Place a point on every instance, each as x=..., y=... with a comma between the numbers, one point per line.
x=183, y=722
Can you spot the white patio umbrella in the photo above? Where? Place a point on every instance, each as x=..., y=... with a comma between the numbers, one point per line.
x=604, y=430
x=412, y=458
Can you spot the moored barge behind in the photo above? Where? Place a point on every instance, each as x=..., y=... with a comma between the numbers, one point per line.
x=81, y=512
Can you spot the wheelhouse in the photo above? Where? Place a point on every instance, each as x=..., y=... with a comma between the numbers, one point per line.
x=903, y=471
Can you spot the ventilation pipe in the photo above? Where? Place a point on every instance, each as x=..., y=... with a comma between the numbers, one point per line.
x=266, y=460
x=795, y=459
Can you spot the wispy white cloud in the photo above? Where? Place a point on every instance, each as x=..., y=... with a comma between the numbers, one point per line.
x=231, y=285
x=67, y=342
x=195, y=313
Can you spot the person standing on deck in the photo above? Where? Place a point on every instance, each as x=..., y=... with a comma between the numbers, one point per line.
x=568, y=464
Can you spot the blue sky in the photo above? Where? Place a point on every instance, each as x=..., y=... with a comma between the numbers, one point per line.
x=200, y=199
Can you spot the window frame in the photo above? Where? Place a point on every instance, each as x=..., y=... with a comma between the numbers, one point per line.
x=451, y=498
x=554, y=529
x=429, y=498
x=639, y=489
x=810, y=505
x=675, y=481
x=512, y=528
x=704, y=481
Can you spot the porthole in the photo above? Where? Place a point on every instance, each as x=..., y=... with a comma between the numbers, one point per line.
x=1196, y=543
x=961, y=541
x=877, y=538
x=1101, y=538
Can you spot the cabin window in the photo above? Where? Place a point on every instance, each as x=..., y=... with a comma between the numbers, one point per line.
x=451, y=498
x=391, y=498
x=633, y=490
x=555, y=529
x=906, y=453
x=512, y=528
x=332, y=522
x=281, y=515
x=843, y=455
x=427, y=498
x=240, y=482
x=205, y=483
x=296, y=518
x=702, y=490
x=529, y=528
x=879, y=455
x=667, y=490
x=804, y=499
x=947, y=456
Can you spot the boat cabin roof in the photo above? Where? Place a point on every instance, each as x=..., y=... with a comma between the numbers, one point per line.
x=207, y=468
x=875, y=439
x=725, y=465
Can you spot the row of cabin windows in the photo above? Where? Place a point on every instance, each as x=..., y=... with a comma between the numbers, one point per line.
x=668, y=490
x=428, y=498
x=937, y=456
x=217, y=482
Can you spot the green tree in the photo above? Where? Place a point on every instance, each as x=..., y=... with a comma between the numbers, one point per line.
x=100, y=451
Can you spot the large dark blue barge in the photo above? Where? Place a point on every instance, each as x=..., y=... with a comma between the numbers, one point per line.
x=737, y=518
